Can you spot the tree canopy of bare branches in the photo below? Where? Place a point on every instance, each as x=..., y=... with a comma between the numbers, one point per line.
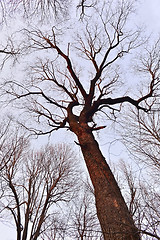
x=42, y=9
x=34, y=185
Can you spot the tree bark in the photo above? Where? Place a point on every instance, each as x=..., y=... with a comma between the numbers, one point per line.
x=115, y=219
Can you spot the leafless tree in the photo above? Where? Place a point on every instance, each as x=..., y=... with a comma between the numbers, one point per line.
x=42, y=9
x=83, y=221
x=34, y=184
x=142, y=195
x=10, y=142
x=60, y=96
x=79, y=220
x=142, y=139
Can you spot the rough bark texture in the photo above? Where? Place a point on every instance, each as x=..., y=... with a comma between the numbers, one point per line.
x=113, y=214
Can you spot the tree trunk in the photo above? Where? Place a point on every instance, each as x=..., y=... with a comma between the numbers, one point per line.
x=115, y=219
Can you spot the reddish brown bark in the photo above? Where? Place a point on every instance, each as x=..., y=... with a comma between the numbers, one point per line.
x=113, y=214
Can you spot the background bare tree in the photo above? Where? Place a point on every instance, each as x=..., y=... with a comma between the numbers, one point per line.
x=84, y=224
x=59, y=95
x=10, y=141
x=142, y=139
x=141, y=191
x=79, y=221
x=42, y=9
x=34, y=185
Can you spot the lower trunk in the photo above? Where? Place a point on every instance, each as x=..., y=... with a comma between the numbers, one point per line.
x=115, y=219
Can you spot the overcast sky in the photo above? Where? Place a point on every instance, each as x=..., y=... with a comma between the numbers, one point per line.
x=149, y=13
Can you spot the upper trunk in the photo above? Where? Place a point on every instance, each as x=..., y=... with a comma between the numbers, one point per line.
x=115, y=219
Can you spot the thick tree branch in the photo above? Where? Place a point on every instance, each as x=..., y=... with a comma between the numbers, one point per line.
x=112, y=101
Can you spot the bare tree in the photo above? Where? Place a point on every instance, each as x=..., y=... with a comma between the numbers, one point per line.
x=61, y=97
x=10, y=142
x=143, y=139
x=33, y=186
x=79, y=221
x=84, y=222
x=42, y=9
x=141, y=136
x=142, y=195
